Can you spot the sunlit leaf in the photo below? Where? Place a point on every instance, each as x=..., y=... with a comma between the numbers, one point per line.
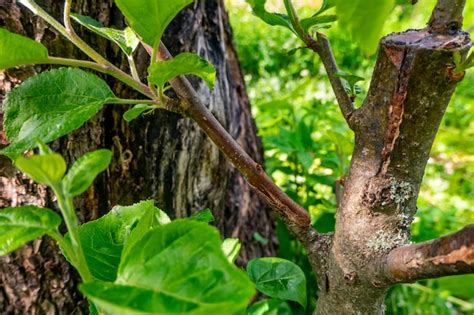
x=45, y=169
x=50, y=105
x=103, y=240
x=84, y=171
x=184, y=63
x=121, y=38
x=364, y=19
x=149, y=18
x=175, y=268
x=270, y=307
x=21, y=225
x=231, y=248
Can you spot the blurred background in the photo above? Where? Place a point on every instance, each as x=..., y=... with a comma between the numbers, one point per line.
x=308, y=145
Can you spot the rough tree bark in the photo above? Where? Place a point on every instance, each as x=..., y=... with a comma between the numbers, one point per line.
x=412, y=84
x=162, y=156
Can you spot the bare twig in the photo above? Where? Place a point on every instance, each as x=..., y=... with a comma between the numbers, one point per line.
x=296, y=218
x=113, y=71
x=323, y=48
x=449, y=255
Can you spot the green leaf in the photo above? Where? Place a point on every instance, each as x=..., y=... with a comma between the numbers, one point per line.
x=349, y=82
x=278, y=278
x=184, y=63
x=327, y=4
x=84, y=171
x=203, y=216
x=153, y=217
x=149, y=18
x=50, y=105
x=21, y=225
x=258, y=8
x=131, y=39
x=259, y=238
x=136, y=110
x=350, y=78
x=45, y=169
x=317, y=20
x=17, y=50
x=364, y=19
x=175, y=268
x=117, y=36
x=270, y=307
x=103, y=240
x=231, y=248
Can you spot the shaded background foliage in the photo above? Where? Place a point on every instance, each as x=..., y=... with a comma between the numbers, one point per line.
x=308, y=145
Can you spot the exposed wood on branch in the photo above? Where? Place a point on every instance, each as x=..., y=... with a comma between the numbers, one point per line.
x=448, y=255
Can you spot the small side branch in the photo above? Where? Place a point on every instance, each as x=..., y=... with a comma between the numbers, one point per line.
x=296, y=218
x=447, y=16
x=323, y=48
x=449, y=255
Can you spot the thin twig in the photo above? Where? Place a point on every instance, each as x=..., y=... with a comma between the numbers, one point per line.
x=112, y=71
x=323, y=48
x=133, y=68
x=447, y=16
x=107, y=67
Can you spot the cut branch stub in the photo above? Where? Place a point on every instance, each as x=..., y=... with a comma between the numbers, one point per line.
x=448, y=255
x=412, y=85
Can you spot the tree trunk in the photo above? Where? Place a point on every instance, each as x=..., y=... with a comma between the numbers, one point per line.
x=412, y=84
x=161, y=156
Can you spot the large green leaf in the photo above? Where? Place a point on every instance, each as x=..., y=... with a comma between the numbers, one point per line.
x=278, y=278
x=103, y=239
x=84, y=171
x=117, y=36
x=184, y=63
x=21, y=225
x=270, y=307
x=151, y=218
x=50, y=105
x=45, y=169
x=175, y=268
x=364, y=19
x=17, y=50
x=149, y=18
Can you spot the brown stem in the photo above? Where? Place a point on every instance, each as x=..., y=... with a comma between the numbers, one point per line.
x=295, y=217
x=449, y=255
x=447, y=16
x=323, y=48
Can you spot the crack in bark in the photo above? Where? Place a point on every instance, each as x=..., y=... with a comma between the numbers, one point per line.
x=403, y=60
